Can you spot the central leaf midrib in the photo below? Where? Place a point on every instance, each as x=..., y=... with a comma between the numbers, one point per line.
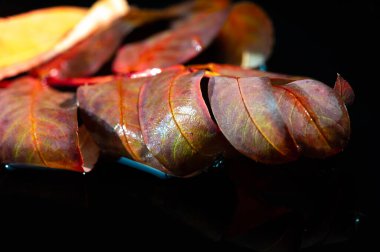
x=33, y=98
x=121, y=120
x=253, y=121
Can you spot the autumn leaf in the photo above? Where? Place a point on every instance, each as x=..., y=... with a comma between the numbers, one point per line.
x=316, y=117
x=27, y=40
x=247, y=113
x=39, y=126
x=28, y=35
x=110, y=111
x=87, y=57
x=247, y=37
x=344, y=90
x=274, y=124
x=185, y=40
x=176, y=125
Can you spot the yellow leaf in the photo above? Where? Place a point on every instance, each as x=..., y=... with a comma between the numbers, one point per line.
x=29, y=39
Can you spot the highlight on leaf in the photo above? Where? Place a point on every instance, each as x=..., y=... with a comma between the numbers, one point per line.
x=39, y=126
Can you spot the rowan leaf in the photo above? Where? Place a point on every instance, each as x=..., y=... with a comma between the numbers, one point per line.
x=176, y=125
x=273, y=124
x=344, y=90
x=39, y=126
x=186, y=39
x=110, y=111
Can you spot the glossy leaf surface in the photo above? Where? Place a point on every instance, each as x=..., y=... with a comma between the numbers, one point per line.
x=176, y=125
x=185, y=40
x=110, y=111
x=247, y=37
x=38, y=126
x=272, y=124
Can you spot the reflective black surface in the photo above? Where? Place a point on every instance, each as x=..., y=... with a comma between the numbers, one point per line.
x=312, y=205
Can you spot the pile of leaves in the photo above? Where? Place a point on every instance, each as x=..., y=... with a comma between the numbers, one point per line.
x=152, y=109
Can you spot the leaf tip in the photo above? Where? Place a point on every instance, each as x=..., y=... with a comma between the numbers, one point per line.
x=344, y=90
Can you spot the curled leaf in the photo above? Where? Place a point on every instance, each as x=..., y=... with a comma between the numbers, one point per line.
x=185, y=40
x=273, y=124
x=247, y=37
x=38, y=126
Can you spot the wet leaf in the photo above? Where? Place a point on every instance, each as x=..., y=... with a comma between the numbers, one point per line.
x=62, y=33
x=185, y=40
x=39, y=126
x=247, y=36
x=176, y=125
x=344, y=90
x=110, y=111
x=274, y=124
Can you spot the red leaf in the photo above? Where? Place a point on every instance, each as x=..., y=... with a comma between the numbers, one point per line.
x=110, y=111
x=76, y=82
x=316, y=117
x=176, y=125
x=344, y=90
x=38, y=126
x=272, y=124
x=246, y=112
x=87, y=57
x=184, y=41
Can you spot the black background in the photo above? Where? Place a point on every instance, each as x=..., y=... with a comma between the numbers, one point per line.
x=313, y=38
